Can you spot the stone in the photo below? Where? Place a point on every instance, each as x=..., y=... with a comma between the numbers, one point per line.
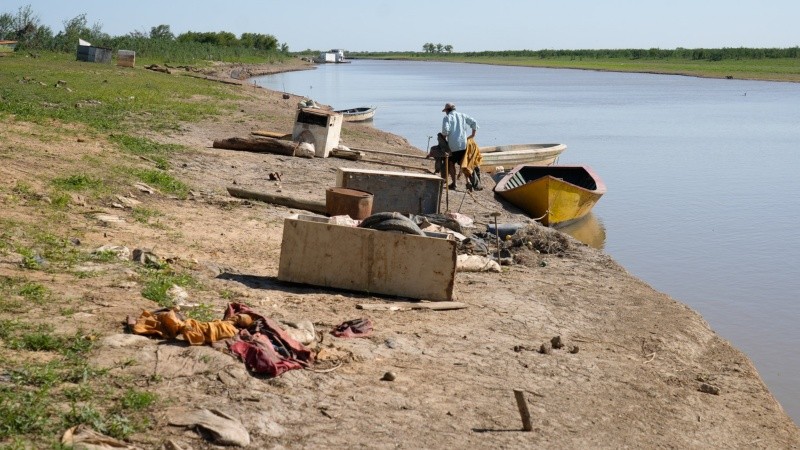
x=389, y=376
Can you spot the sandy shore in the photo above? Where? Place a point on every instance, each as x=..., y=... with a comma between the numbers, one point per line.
x=644, y=370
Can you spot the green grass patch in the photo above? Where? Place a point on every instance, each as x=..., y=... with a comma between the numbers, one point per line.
x=137, y=400
x=144, y=215
x=105, y=97
x=163, y=181
x=42, y=399
x=41, y=249
x=158, y=282
x=145, y=147
x=80, y=182
x=203, y=313
x=33, y=292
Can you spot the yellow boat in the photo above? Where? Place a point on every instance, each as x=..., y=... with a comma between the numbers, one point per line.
x=553, y=195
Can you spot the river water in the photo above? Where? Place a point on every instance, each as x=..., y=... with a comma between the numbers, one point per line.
x=703, y=175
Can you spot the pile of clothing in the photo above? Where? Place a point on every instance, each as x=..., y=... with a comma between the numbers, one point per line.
x=260, y=342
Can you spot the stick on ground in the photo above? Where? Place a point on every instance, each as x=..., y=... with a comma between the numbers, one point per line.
x=523, y=410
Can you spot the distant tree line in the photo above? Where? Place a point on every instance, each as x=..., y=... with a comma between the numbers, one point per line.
x=25, y=27
x=437, y=48
x=708, y=54
x=711, y=54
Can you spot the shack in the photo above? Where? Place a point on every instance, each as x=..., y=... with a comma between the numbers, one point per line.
x=90, y=53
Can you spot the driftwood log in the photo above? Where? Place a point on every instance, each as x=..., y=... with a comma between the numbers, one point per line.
x=258, y=144
x=283, y=200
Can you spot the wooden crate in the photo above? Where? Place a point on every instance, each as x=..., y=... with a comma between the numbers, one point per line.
x=316, y=252
x=403, y=192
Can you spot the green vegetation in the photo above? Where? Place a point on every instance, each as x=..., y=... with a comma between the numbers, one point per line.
x=742, y=63
x=160, y=44
x=430, y=47
x=32, y=392
x=158, y=281
x=104, y=97
x=78, y=183
x=147, y=148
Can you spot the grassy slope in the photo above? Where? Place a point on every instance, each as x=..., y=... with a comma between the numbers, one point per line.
x=72, y=131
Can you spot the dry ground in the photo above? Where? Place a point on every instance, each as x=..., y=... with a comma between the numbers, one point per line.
x=634, y=381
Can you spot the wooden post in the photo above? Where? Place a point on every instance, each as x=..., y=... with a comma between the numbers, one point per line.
x=522, y=405
x=447, y=183
x=283, y=200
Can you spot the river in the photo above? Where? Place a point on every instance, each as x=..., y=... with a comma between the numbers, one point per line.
x=703, y=175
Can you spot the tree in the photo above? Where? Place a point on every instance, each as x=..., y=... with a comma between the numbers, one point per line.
x=137, y=34
x=161, y=32
x=22, y=27
x=6, y=26
x=428, y=47
x=74, y=29
x=448, y=48
x=439, y=48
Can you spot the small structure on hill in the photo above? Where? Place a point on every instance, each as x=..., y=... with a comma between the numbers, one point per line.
x=90, y=53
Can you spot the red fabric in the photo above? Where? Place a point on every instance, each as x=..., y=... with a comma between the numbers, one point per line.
x=259, y=355
x=353, y=328
x=257, y=345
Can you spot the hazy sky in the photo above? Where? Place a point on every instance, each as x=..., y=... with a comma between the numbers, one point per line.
x=467, y=25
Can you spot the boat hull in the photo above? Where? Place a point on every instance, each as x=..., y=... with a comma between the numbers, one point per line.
x=504, y=157
x=553, y=195
x=357, y=114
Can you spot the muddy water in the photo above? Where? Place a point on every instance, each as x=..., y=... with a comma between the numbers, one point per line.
x=703, y=175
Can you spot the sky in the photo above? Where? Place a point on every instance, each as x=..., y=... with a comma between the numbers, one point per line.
x=467, y=25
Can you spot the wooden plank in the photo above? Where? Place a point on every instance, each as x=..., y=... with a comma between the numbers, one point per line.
x=347, y=154
x=283, y=200
x=384, y=152
x=405, y=306
x=402, y=166
x=273, y=134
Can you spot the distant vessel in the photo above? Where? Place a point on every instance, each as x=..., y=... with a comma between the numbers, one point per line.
x=335, y=56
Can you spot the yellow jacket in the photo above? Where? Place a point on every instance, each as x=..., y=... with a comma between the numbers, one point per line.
x=472, y=158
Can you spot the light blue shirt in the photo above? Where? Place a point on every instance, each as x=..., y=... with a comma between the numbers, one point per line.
x=454, y=127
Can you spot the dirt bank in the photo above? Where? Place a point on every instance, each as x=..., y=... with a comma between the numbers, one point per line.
x=644, y=370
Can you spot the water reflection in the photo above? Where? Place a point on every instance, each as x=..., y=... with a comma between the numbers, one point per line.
x=589, y=230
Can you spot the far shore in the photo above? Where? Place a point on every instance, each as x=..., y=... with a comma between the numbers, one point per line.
x=783, y=69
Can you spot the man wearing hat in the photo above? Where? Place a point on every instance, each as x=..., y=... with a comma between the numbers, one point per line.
x=454, y=128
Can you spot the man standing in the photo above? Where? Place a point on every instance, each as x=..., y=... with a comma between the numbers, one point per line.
x=454, y=128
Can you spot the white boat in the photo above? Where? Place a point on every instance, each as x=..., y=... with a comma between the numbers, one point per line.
x=506, y=157
x=360, y=114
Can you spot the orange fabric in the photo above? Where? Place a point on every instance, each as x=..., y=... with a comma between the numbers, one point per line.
x=199, y=333
x=169, y=325
x=163, y=324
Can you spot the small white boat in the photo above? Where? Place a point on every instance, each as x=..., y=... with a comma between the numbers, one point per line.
x=506, y=157
x=360, y=114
